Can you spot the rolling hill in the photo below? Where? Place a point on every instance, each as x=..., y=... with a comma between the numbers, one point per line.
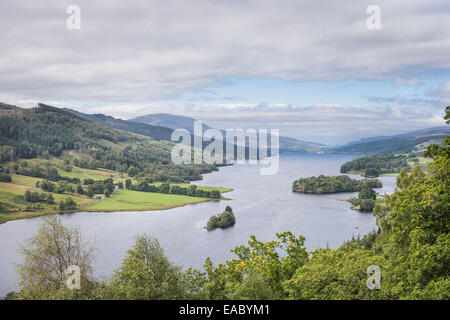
x=154, y=131
x=401, y=143
x=173, y=121
x=49, y=132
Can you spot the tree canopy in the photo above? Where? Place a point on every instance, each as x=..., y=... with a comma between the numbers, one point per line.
x=332, y=184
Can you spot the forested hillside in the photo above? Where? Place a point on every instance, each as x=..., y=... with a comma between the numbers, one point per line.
x=155, y=132
x=402, y=143
x=377, y=164
x=172, y=121
x=286, y=144
x=47, y=131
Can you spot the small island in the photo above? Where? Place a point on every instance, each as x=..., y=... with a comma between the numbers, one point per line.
x=366, y=200
x=333, y=184
x=224, y=220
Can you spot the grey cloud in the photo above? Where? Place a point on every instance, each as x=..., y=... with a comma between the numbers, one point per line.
x=432, y=99
x=443, y=93
x=407, y=82
x=128, y=54
x=147, y=50
x=407, y=101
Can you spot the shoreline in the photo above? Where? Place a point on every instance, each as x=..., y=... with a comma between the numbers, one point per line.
x=4, y=218
x=359, y=173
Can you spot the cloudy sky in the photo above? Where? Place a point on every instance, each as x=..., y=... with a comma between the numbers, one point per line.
x=310, y=68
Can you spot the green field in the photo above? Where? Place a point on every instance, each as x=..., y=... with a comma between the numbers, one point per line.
x=13, y=205
x=10, y=194
x=76, y=172
x=99, y=174
x=124, y=199
x=135, y=200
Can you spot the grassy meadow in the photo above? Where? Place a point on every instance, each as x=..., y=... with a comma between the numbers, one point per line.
x=124, y=200
x=13, y=205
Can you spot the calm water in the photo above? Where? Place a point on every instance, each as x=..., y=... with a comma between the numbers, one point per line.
x=263, y=205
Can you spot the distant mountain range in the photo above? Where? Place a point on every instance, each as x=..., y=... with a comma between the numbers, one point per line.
x=399, y=143
x=176, y=121
x=171, y=121
x=160, y=127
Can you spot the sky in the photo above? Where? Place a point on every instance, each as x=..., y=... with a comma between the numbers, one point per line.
x=312, y=69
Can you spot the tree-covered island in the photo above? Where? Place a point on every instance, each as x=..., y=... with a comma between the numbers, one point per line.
x=224, y=220
x=333, y=184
